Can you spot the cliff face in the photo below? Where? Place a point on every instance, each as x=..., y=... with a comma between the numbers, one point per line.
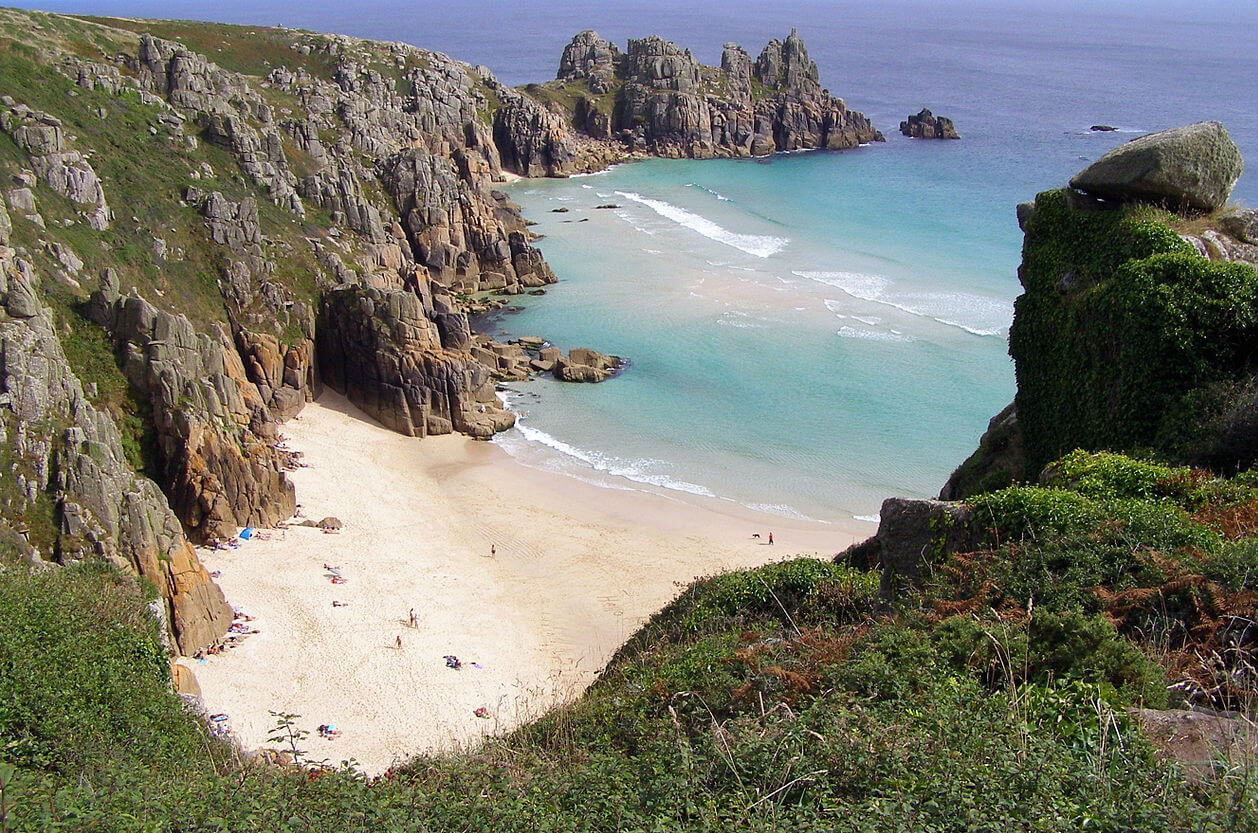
x=68, y=487
x=1136, y=328
x=202, y=224
x=655, y=98
x=211, y=240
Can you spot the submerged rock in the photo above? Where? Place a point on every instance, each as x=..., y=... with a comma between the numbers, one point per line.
x=1193, y=166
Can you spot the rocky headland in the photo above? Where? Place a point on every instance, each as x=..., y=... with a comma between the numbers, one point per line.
x=211, y=240
x=656, y=99
x=192, y=247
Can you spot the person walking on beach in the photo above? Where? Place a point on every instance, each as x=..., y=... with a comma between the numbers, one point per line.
x=770, y=537
x=414, y=621
x=493, y=550
x=399, y=642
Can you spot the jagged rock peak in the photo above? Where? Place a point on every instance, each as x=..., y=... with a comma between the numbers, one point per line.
x=785, y=65
x=588, y=56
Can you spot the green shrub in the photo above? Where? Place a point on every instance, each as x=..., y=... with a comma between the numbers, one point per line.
x=84, y=683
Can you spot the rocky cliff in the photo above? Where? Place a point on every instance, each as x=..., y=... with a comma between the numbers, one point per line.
x=655, y=98
x=1136, y=327
x=201, y=225
x=193, y=245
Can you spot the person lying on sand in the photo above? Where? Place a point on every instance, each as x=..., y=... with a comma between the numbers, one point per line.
x=335, y=603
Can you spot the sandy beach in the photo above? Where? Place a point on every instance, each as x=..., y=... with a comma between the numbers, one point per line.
x=531, y=579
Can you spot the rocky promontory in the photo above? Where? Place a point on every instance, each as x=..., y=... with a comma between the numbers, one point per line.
x=1136, y=326
x=926, y=125
x=655, y=98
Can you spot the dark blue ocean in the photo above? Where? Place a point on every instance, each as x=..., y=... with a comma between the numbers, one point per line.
x=813, y=332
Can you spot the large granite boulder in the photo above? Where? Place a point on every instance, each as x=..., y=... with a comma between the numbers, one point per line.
x=912, y=535
x=1193, y=166
x=585, y=365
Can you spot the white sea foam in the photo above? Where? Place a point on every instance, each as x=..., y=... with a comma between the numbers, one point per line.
x=873, y=335
x=951, y=309
x=759, y=245
x=873, y=519
x=637, y=471
x=784, y=511
x=719, y=196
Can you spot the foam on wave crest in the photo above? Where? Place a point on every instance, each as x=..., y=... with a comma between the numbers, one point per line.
x=638, y=471
x=976, y=314
x=716, y=194
x=758, y=245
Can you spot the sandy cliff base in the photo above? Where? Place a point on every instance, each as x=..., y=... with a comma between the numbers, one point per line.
x=576, y=569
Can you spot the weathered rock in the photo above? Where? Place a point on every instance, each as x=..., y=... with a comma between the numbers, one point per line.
x=667, y=104
x=589, y=56
x=1241, y=223
x=1201, y=742
x=381, y=350
x=64, y=170
x=926, y=125
x=74, y=452
x=584, y=365
x=219, y=463
x=912, y=535
x=997, y=462
x=1193, y=166
x=465, y=238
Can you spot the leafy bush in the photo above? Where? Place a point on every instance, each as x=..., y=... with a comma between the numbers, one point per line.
x=83, y=676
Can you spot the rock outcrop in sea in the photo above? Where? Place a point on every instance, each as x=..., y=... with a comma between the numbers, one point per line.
x=926, y=125
x=655, y=98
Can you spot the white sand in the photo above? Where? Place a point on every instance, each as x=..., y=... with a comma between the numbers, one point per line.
x=578, y=568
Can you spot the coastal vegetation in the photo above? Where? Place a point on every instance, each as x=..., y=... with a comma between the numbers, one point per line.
x=1102, y=578
x=1004, y=693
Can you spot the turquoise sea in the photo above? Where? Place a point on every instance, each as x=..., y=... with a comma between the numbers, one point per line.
x=812, y=332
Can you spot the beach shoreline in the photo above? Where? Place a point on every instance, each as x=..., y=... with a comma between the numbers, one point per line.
x=531, y=579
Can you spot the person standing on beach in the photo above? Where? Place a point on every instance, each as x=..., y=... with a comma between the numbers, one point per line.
x=414, y=622
x=770, y=537
x=399, y=641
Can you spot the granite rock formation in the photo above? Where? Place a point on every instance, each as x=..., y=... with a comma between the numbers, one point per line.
x=585, y=365
x=385, y=350
x=1194, y=166
x=655, y=98
x=63, y=450
x=926, y=125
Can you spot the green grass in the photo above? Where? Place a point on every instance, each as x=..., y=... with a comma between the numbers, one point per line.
x=249, y=50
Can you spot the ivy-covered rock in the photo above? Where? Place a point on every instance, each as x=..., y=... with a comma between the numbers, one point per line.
x=1126, y=338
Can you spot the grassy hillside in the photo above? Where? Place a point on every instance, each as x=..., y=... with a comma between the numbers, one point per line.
x=785, y=698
